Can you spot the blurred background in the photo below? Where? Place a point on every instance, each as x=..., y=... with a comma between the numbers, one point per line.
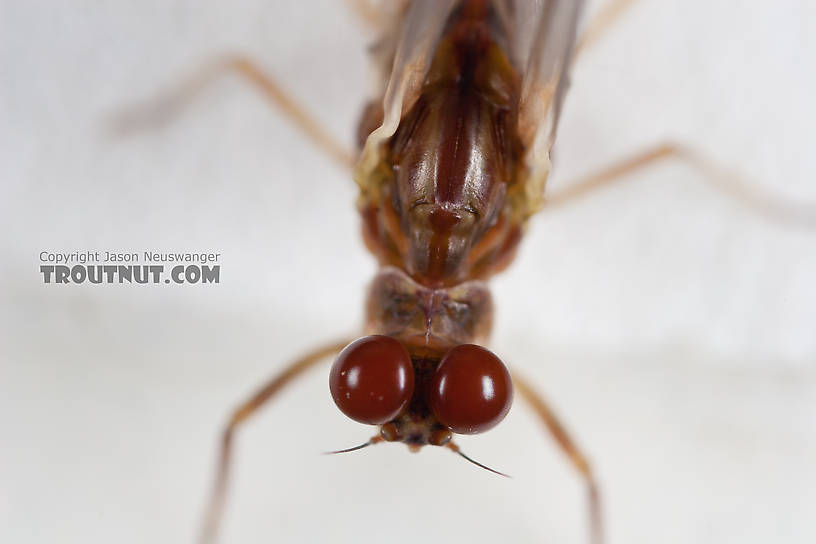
x=671, y=328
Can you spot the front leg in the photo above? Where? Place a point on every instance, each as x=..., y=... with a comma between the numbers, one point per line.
x=573, y=453
x=215, y=505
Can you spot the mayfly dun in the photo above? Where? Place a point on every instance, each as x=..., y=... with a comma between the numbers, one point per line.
x=452, y=161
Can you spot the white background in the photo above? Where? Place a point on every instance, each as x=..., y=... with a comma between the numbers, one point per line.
x=672, y=328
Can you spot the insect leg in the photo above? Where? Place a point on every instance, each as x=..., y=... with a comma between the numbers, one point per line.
x=728, y=183
x=169, y=103
x=367, y=13
x=568, y=446
x=600, y=23
x=215, y=505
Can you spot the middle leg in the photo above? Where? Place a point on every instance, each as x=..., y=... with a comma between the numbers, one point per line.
x=171, y=101
x=767, y=205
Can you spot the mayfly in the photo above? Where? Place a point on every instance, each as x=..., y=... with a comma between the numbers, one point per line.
x=453, y=157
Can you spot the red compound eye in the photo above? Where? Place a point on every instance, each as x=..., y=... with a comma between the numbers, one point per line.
x=471, y=390
x=372, y=379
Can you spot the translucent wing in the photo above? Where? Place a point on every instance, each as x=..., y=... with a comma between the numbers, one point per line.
x=406, y=49
x=542, y=35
